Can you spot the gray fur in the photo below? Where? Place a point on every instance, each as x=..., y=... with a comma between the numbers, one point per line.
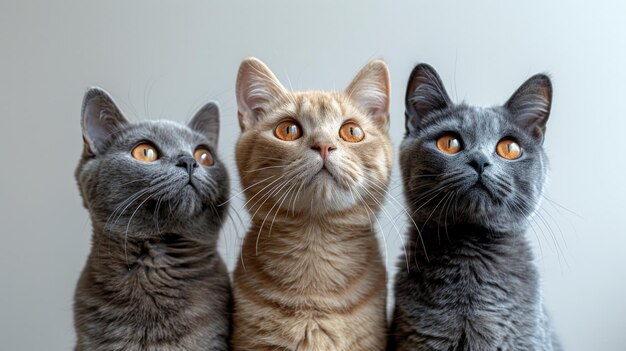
x=154, y=279
x=471, y=283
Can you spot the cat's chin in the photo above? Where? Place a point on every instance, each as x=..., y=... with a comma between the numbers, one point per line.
x=322, y=178
x=489, y=223
x=322, y=196
x=186, y=203
x=496, y=225
x=486, y=214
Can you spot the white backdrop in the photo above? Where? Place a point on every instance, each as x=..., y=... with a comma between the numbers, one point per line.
x=162, y=59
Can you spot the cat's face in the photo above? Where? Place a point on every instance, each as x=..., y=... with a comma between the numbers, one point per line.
x=312, y=152
x=150, y=176
x=483, y=166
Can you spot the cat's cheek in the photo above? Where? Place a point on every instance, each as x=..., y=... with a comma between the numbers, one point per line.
x=409, y=155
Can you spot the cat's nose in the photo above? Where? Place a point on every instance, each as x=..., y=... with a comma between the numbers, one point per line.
x=187, y=162
x=324, y=149
x=479, y=163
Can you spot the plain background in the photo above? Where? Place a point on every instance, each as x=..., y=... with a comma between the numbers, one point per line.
x=164, y=59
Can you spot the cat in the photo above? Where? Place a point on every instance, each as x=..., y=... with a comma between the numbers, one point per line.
x=472, y=176
x=314, y=167
x=154, y=279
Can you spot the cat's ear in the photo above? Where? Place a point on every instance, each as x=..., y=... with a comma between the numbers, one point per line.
x=370, y=90
x=207, y=122
x=100, y=119
x=256, y=87
x=425, y=94
x=530, y=104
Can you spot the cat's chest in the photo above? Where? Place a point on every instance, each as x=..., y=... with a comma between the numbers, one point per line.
x=312, y=259
x=475, y=301
x=473, y=288
x=160, y=269
x=151, y=258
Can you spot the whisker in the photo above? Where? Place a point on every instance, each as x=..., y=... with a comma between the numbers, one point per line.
x=128, y=227
x=279, y=206
x=403, y=209
x=369, y=209
x=241, y=192
x=264, y=219
x=261, y=192
x=264, y=168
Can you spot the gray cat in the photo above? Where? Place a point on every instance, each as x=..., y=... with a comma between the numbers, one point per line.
x=154, y=279
x=473, y=177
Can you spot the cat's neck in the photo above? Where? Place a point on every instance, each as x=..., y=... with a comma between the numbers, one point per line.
x=132, y=271
x=436, y=241
x=340, y=245
x=116, y=252
x=467, y=262
x=316, y=228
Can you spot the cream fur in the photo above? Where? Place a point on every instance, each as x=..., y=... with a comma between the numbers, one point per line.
x=310, y=275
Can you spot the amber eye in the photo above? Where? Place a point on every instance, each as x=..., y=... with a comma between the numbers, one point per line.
x=449, y=144
x=351, y=132
x=509, y=149
x=288, y=131
x=203, y=156
x=145, y=153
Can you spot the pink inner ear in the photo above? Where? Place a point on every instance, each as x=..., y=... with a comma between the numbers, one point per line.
x=256, y=87
x=370, y=91
x=374, y=102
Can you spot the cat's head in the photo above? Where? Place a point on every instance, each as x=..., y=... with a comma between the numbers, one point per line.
x=313, y=152
x=479, y=165
x=150, y=176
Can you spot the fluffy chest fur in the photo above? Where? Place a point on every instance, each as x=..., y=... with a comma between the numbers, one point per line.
x=309, y=288
x=314, y=167
x=152, y=294
x=472, y=294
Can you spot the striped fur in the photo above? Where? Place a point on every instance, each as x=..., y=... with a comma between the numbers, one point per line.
x=310, y=275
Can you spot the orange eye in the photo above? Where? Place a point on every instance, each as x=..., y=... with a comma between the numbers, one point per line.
x=145, y=153
x=351, y=132
x=449, y=144
x=203, y=156
x=509, y=149
x=288, y=131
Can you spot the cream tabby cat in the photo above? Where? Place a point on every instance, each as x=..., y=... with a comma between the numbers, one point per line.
x=315, y=167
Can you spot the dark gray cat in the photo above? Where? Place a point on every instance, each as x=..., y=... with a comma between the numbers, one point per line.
x=472, y=177
x=154, y=279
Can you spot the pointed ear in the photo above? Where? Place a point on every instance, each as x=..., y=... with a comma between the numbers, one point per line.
x=530, y=104
x=256, y=87
x=370, y=90
x=425, y=94
x=100, y=119
x=207, y=122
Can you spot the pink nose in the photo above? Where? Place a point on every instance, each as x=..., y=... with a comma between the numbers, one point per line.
x=324, y=149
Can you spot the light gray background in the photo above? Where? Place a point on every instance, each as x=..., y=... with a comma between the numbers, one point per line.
x=163, y=59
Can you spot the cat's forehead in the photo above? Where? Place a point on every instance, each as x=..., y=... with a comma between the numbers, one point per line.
x=471, y=120
x=165, y=134
x=482, y=119
x=319, y=107
x=318, y=104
